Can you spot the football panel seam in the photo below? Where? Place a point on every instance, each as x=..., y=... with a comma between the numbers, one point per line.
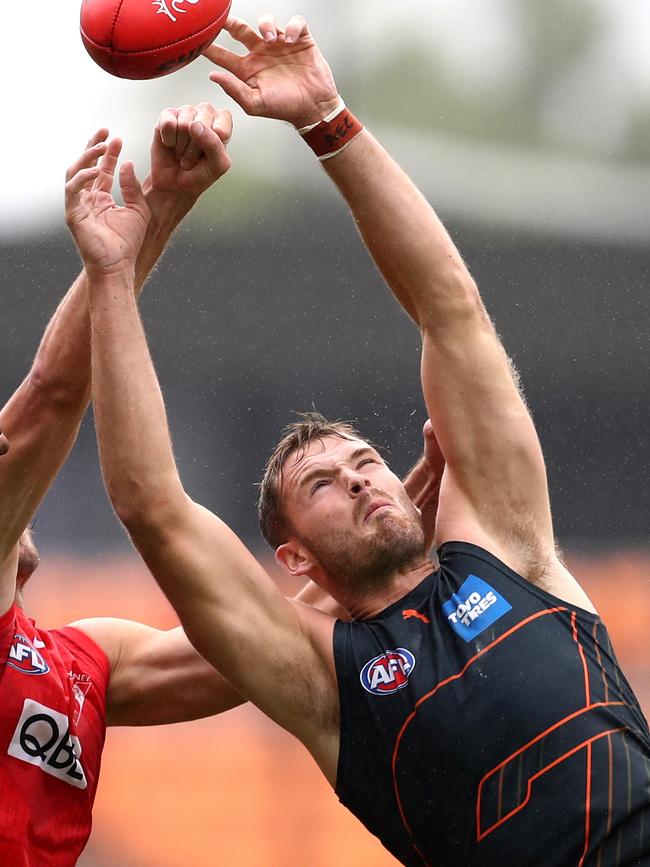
x=125, y=51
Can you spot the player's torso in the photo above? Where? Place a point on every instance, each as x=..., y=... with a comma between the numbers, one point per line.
x=52, y=730
x=484, y=722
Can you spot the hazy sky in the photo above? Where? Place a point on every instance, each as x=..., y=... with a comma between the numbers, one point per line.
x=55, y=96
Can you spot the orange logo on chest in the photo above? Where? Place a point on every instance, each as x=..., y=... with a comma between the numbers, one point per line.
x=408, y=613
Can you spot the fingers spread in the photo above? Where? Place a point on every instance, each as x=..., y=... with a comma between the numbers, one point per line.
x=81, y=180
x=108, y=164
x=242, y=32
x=99, y=136
x=296, y=28
x=131, y=187
x=245, y=96
x=88, y=158
x=224, y=58
x=269, y=27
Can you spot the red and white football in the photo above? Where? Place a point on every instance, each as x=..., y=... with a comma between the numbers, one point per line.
x=149, y=38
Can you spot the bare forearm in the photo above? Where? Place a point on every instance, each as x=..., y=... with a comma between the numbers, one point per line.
x=62, y=362
x=167, y=211
x=134, y=443
x=408, y=242
x=42, y=417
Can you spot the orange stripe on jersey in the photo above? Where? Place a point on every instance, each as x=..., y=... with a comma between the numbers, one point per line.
x=600, y=660
x=409, y=719
x=587, y=806
x=574, y=631
x=480, y=834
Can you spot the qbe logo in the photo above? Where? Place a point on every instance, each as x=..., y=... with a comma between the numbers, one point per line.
x=387, y=672
x=474, y=607
x=42, y=738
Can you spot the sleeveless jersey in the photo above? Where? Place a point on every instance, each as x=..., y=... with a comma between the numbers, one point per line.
x=52, y=730
x=485, y=722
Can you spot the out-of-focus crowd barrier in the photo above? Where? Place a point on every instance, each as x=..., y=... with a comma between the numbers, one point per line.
x=235, y=791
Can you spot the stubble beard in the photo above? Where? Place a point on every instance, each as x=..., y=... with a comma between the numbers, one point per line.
x=368, y=563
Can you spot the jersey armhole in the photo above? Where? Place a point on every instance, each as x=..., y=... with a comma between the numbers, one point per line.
x=472, y=550
x=341, y=637
x=91, y=650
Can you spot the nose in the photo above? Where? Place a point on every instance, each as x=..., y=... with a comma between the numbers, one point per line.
x=355, y=482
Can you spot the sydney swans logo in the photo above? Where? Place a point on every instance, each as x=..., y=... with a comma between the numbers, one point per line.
x=168, y=8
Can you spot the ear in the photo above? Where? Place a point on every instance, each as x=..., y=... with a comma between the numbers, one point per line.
x=295, y=559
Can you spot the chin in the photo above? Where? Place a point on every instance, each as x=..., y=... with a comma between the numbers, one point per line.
x=397, y=543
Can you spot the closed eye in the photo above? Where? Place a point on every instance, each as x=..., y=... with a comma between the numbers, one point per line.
x=367, y=461
x=319, y=484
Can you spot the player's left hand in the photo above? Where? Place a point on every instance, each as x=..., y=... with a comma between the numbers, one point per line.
x=283, y=75
x=188, y=151
x=109, y=237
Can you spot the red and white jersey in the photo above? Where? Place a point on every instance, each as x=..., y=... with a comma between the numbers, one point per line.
x=52, y=730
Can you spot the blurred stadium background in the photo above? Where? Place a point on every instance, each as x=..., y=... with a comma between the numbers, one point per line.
x=527, y=125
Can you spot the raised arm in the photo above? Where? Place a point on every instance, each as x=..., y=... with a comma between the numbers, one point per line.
x=42, y=417
x=495, y=491
x=273, y=651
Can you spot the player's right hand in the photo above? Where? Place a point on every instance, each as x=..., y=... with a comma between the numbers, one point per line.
x=188, y=151
x=109, y=237
x=283, y=75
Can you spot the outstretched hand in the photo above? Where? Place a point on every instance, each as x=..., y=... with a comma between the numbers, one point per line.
x=283, y=75
x=109, y=237
x=188, y=151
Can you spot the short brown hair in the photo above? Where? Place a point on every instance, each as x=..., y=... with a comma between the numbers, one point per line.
x=296, y=437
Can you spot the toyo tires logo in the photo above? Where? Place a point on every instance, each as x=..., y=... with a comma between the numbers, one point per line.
x=474, y=607
x=387, y=672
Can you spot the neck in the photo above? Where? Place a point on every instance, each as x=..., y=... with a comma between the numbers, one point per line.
x=365, y=603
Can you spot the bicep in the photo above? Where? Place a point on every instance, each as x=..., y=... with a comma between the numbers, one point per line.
x=157, y=677
x=496, y=479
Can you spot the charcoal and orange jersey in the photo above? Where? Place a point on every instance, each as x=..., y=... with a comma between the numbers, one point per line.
x=485, y=722
x=52, y=730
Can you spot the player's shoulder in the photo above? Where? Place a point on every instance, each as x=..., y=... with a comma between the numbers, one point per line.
x=107, y=633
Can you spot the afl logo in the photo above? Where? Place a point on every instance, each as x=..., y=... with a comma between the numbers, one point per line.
x=24, y=657
x=388, y=672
